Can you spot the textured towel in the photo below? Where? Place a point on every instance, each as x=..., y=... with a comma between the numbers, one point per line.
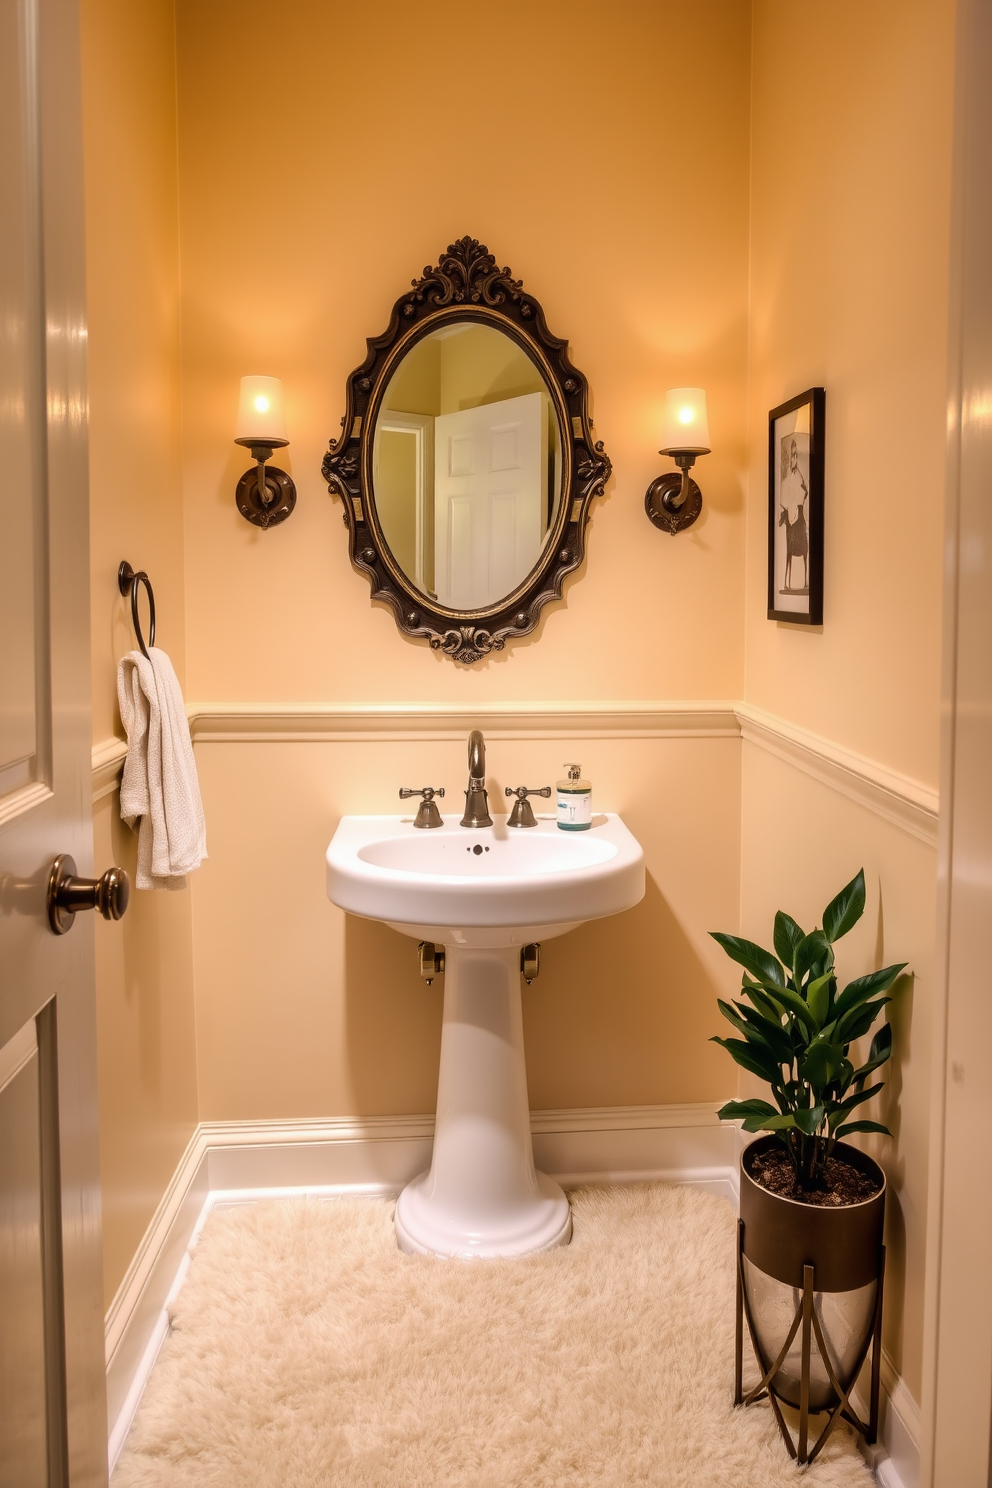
x=160, y=794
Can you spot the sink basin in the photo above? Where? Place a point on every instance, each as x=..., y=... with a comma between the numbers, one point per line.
x=482, y=893
x=464, y=886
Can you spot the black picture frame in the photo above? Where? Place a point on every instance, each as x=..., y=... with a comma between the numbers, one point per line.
x=795, y=508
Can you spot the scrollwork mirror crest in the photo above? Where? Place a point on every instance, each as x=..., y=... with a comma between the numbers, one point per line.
x=466, y=462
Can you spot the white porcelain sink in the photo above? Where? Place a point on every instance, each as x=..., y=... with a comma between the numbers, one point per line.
x=486, y=885
x=482, y=893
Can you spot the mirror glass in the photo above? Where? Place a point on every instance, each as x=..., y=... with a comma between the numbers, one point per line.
x=466, y=465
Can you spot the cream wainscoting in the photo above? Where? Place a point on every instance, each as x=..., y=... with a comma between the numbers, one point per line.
x=377, y=1155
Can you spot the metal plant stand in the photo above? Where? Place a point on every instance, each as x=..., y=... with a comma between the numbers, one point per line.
x=806, y=1319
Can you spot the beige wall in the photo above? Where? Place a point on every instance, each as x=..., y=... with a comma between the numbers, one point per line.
x=850, y=183
x=144, y=965
x=576, y=178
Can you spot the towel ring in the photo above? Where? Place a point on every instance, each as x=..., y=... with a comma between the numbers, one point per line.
x=127, y=583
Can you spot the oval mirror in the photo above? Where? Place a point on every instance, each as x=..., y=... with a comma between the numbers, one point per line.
x=467, y=464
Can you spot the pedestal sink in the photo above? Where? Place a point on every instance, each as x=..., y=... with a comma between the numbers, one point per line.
x=482, y=893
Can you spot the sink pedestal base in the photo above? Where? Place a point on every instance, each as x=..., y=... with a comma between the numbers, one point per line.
x=482, y=1195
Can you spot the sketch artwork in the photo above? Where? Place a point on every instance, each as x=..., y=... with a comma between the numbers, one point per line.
x=795, y=509
x=793, y=515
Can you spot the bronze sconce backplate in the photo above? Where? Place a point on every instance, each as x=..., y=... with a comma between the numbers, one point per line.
x=460, y=567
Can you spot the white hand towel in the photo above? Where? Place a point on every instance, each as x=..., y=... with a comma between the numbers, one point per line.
x=160, y=794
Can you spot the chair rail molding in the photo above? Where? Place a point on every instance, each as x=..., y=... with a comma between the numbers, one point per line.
x=902, y=802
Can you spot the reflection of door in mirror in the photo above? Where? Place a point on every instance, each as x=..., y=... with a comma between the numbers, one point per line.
x=466, y=465
x=402, y=467
x=490, y=498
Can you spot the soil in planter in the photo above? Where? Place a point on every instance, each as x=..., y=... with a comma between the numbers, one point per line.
x=844, y=1184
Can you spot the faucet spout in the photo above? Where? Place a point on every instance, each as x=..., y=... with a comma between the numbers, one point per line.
x=476, y=797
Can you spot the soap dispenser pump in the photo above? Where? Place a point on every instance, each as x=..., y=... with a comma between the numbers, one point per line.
x=574, y=801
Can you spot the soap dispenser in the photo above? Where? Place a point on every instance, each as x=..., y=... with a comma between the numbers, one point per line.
x=574, y=801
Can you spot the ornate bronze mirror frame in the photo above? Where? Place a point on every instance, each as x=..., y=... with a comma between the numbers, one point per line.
x=467, y=286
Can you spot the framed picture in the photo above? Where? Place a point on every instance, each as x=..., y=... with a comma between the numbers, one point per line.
x=795, y=509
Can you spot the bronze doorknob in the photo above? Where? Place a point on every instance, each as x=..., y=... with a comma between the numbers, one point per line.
x=67, y=894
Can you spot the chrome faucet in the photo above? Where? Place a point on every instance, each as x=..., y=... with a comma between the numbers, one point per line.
x=476, y=799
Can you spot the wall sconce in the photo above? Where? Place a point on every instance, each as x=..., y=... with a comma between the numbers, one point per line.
x=265, y=497
x=674, y=501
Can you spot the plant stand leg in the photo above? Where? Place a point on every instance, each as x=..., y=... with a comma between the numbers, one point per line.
x=739, y=1355
x=876, y=1355
x=807, y=1345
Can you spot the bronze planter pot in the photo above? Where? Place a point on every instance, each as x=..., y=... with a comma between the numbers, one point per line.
x=809, y=1285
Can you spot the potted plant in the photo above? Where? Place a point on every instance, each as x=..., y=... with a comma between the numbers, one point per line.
x=810, y=1253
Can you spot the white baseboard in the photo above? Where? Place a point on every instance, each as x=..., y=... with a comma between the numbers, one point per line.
x=230, y=1162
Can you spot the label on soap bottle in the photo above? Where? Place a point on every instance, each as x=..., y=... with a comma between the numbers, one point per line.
x=574, y=810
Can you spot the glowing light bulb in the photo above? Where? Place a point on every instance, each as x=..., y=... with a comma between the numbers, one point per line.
x=685, y=425
x=260, y=411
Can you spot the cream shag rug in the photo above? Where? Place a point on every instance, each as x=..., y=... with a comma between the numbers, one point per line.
x=307, y=1352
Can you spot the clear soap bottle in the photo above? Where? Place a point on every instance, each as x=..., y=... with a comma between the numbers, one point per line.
x=574, y=801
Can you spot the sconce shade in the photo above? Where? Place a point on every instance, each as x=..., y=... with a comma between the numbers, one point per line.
x=261, y=419
x=685, y=427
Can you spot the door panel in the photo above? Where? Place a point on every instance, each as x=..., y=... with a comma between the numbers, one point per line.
x=23, y=1431
x=49, y=1176
x=491, y=498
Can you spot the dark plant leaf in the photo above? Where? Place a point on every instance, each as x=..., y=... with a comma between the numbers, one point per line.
x=844, y=912
x=864, y=987
x=809, y=951
x=881, y=1048
x=763, y=1001
x=751, y=1057
x=780, y=1123
x=787, y=936
x=857, y=1022
x=735, y=1110
x=760, y=963
x=862, y=1126
x=809, y=1120
x=822, y=1064
x=796, y=1008
x=838, y=1114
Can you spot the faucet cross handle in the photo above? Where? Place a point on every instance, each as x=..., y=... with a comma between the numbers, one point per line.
x=427, y=813
x=522, y=814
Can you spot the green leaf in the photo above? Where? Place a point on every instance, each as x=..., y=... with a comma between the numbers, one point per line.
x=844, y=912
x=751, y=1058
x=813, y=948
x=822, y=1064
x=862, y=1126
x=881, y=1048
x=864, y=987
x=837, y=1115
x=780, y=1123
x=768, y=1031
x=760, y=963
x=763, y=1001
x=787, y=936
x=735, y=1110
x=818, y=998
x=795, y=1005
x=810, y=1120
x=857, y=1022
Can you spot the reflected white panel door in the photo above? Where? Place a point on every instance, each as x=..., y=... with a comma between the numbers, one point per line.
x=52, y=1410
x=490, y=498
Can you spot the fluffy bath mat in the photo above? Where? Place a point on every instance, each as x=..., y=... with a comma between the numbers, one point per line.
x=307, y=1352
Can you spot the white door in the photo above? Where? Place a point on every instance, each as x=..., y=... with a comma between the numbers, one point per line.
x=490, y=499
x=52, y=1402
